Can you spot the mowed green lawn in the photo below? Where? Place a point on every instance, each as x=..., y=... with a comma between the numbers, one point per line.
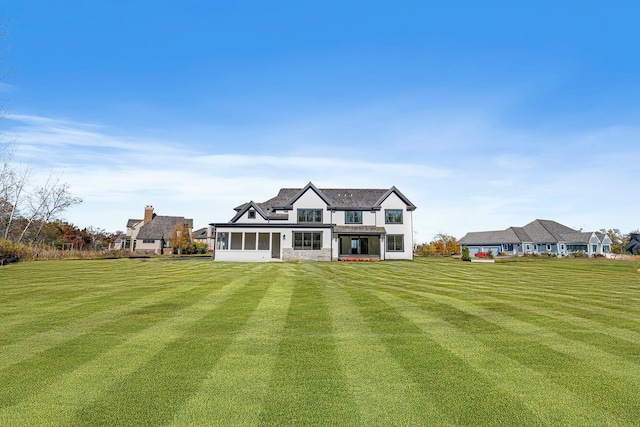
x=429, y=342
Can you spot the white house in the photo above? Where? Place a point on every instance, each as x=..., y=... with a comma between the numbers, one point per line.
x=314, y=224
x=539, y=236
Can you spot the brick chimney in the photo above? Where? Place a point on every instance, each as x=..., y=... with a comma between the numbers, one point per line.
x=148, y=214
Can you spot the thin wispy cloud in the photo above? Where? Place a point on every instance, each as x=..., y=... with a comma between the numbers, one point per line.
x=484, y=189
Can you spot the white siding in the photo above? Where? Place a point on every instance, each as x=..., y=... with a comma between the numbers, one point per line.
x=405, y=229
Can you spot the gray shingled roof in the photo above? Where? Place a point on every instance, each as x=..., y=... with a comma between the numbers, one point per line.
x=493, y=237
x=200, y=233
x=161, y=227
x=133, y=222
x=538, y=231
x=634, y=243
x=546, y=231
x=336, y=198
x=576, y=237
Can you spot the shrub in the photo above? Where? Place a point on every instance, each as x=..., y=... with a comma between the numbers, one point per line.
x=465, y=255
x=490, y=254
x=8, y=249
x=199, y=248
x=578, y=255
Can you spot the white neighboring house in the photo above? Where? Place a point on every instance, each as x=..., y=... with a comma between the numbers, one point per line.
x=151, y=235
x=311, y=224
x=539, y=236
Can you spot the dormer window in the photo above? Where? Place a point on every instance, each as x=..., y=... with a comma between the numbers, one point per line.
x=252, y=215
x=310, y=215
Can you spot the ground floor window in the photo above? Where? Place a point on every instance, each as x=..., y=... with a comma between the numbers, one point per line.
x=395, y=242
x=359, y=245
x=606, y=249
x=307, y=240
x=148, y=241
x=577, y=248
x=508, y=246
x=548, y=247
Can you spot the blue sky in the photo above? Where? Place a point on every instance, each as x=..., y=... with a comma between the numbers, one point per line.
x=485, y=114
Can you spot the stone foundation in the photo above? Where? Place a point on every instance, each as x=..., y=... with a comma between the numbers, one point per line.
x=297, y=255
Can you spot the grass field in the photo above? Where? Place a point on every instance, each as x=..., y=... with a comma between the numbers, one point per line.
x=429, y=342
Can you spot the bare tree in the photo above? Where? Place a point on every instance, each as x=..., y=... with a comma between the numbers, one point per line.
x=14, y=187
x=52, y=199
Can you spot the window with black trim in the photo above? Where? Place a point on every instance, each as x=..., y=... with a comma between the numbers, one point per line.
x=395, y=242
x=310, y=215
x=307, y=240
x=393, y=216
x=353, y=217
x=251, y=215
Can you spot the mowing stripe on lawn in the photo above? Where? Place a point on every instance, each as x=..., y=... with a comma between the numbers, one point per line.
x=159, y=388
x=606, y=362
x=59, y=402
x=384, y=392
x=42, y=341
x=105, y=313
x=32, y=375
x=235, y=388
x=307, y=384
x=527, y=306
x=553, y=404
x=458, y=391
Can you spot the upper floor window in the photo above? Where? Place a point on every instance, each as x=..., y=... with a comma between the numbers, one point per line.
x=393, y=216
x=353, y=217
x=310, y=215
x=252, y=214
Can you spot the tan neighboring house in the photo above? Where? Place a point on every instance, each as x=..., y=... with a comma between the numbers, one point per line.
x=151, y=234
x=205, y=235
